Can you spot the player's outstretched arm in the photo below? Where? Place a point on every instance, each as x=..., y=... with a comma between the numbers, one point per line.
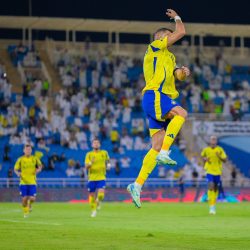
x=179, y=27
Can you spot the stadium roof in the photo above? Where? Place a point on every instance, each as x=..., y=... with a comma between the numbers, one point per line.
x=104, y=25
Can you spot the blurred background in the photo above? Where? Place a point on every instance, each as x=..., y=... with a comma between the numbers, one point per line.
x=72, y=71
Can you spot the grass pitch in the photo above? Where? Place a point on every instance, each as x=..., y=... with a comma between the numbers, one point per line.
x=122, y=226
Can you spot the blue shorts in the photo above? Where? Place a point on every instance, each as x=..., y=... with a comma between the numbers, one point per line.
x=214, y=178
x=93, y=185
x=156, y=105
x=27, y=190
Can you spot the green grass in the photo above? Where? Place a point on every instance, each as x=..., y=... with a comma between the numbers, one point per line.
x=122, y=226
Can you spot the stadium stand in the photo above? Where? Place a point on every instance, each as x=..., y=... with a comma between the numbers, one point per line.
x=100, y=95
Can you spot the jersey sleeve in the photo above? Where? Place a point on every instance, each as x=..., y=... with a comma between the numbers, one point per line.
x=87, y=159
x=159, y=44
x=18, y=164
x=203, y=153
x=223, y=154
x=107, y=156
x=38, y=162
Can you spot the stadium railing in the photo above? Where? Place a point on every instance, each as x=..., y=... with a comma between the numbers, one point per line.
x=116, y=182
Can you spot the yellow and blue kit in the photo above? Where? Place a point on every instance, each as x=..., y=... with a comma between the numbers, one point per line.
x=213, y=166
x=159, y=92
x=27, y=166
x=97, y=171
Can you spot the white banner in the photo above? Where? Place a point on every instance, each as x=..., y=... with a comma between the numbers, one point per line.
x=221, y=128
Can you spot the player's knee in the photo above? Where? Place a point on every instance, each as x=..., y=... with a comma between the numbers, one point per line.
x=33, y=198
x=183, y=113
x=25, y=200
x=179, y=111
x=211, y=186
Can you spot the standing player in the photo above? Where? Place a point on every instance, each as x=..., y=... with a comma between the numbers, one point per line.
x=96, y=162
x=26, y=167
x=213, y=157
x=166, y=117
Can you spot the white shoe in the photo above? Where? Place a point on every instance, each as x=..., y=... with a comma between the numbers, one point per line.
x=25, y=215
x=135, y=191
x=93, y=214
x=212, y=210
x=164, y=159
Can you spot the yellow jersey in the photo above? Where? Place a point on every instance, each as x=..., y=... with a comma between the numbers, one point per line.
x=158, y=68
x=214, y=165
x=27, y=166
x=97, y=171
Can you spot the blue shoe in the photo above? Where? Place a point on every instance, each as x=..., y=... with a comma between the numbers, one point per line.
x=135, y=194
x=164, y=159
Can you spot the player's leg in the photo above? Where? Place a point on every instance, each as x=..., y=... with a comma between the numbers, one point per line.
x=25, y=206
x=177, y=116
x=31, y=200
x=100, y=193
x=32, y=196
x=92, y=197
x=211, y=193
x=217, y=182
x=100, y=197
x=24, y=194
x=149, y=163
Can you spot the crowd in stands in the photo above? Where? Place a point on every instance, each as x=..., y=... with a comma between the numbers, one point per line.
x=28, y=57
x=220, y=88
x=101, y=97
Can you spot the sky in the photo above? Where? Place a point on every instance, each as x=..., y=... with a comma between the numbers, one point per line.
x=202, y=11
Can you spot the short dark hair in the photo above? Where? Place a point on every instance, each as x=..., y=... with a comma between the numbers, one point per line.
x=96, y=139
x=162, y=30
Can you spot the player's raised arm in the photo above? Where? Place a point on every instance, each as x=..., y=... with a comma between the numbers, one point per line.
x=179, y=27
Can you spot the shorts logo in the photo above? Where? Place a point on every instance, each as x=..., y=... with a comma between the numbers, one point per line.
x=173, y=102
x=171, y=136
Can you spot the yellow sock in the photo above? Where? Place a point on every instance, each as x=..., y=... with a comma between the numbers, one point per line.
x=149, y=163
x=25, y=210
x=172, y=130
x=92, y=202
x=100, y=196
x=210, y=195
x=216, y=193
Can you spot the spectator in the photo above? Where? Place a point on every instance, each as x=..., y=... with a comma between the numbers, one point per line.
x=117, y=168
x=161, y=172
x=10, y=177
x=45, y=88
x=6, y=151
x=233, y=177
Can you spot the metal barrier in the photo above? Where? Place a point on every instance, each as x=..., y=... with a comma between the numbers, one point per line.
x=117, y=182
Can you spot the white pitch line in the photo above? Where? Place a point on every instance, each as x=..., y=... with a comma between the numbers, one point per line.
x=31, y=222
x=10, y=211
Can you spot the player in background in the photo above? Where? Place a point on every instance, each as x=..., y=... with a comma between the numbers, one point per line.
x=27, y=167
x=166, y=116
x=213, y=157
x=96, y=163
